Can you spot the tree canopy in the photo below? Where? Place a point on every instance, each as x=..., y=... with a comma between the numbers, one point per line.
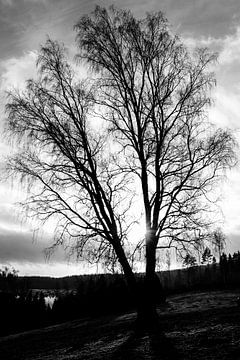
x=155, y=94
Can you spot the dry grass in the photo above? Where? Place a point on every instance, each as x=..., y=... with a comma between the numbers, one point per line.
x=194, y=326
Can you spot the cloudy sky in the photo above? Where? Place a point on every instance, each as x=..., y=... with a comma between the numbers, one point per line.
x=24, y=24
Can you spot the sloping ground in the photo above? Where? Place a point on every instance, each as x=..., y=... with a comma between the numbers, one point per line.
x=194, y=326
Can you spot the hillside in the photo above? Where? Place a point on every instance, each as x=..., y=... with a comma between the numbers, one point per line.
x=178, y=280
x=195, y=326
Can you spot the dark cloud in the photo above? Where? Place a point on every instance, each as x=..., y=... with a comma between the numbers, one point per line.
x=20, y=246
x=197, y=18
x=26, y=23
x=15, y=21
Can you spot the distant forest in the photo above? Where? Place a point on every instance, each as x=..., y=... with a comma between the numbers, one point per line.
x=24, y=305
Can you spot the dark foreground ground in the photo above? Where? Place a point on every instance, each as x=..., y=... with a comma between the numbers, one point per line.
x=196, y=326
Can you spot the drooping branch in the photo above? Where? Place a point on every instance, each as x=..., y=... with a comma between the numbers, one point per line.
x=64, y=160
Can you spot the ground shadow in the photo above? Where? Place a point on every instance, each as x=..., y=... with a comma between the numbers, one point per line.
x=150, y=345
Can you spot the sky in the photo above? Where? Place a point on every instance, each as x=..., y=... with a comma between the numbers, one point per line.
x=25, y=24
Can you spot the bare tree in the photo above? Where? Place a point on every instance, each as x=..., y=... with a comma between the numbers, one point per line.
x=149, y=95
x=219, y=242
x=68, y=163
x=155, y=95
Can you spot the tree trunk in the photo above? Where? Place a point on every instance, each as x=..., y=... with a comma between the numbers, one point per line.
x=145, y=295
x=129, y=275
x=147, y=312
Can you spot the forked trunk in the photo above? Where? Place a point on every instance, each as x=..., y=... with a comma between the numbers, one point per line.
x=145, y=295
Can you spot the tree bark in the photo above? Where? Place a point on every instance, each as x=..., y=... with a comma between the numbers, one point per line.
x=147, y=312
x=147, y=294
x=129, y=275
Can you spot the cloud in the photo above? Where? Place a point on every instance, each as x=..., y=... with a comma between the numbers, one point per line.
x=228, y=48
x=24, y=250
x=25, y=25
x=13, y=74
x=18, y=246
x=7, y=2
x=8, y=216
x=20, y=250
x=14, y=2
x=213, y=18
x=227, y=69
x=21, y=246
x=36, y=1
x=15, y=71
x=231, y=48
x=18, y=242
x=233, y=242
x=53, y=269
x=225, y=113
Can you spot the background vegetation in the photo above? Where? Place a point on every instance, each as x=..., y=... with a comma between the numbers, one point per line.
x=24, y=305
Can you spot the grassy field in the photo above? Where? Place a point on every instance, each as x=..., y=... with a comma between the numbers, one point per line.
x=193, y=326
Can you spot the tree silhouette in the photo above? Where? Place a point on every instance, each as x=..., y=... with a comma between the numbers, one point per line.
x=219, y=241
x=133, y=139
x=189, y=261
x=8, y=279
x=207, y=256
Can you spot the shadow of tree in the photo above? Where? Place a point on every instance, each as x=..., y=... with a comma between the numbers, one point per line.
x=151, y=345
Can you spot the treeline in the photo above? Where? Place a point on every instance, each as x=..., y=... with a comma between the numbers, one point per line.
x=94, y=295
x=173, y=280
x=24, y=311
x=23, y=307
x=230, y=262
x=46, y=282
x=212, y=275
